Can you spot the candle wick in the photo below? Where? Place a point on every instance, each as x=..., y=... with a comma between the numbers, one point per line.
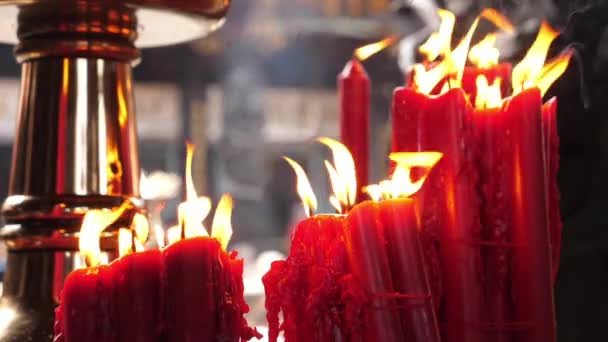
x=182, y=225
x=133, y=233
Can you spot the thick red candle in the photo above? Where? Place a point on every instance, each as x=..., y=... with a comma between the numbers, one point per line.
x=366, y=246
x=532, y=286
x=551, y=149
x=137, y=278
x=190, y=293
x=87, y=313
x=470, y=74
x=400, y=224
x=449, y=201
x=306, y=288
x=354, y=90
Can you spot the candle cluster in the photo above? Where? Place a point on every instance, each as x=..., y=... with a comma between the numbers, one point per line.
x=356, y=275
x=190, y=290
x=491, y=208
x=475, y=251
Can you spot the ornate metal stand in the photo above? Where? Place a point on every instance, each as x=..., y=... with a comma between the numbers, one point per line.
x=76, y=143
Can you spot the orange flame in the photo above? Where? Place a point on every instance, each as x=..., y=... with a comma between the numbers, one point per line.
x=400, y=184
x=553, y=70
x=439, y=43
x=484, y=55
x=194, y=210
x=488, y=95
x=93, y=224
x=221, y=228
x=309, y=200
x=369, y=50
x=342, y=175
x=527, y=72
x=451, y=67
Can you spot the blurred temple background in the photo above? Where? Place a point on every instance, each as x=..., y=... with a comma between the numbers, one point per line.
x=264, y=86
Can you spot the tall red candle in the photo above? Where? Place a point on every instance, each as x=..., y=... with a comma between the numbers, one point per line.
x=366, y=246
x=354, y=90
x=400, y=225
x=137, y=278
x=531, y=262
x=449, y=202
x=551, y=150
x=305, y=288
x=495, y=146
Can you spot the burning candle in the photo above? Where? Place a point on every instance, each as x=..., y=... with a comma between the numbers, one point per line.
x=190, y=290
x=354, y=94
x=449, y=202
x=306, y=287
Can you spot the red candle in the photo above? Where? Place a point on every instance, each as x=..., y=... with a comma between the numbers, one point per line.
x=551, y=149
x=87, y=313
x=470, y=74
x=366, y=246
x=305, y=288
x=449, y=202
x=137, y=278
x=400, y=224
x=353, y=90
x=531, y=262
x=497, y=183
x=190, y=293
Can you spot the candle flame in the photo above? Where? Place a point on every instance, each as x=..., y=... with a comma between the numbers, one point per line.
x=369, y=50
x=553, y=70
x=439, y=43
x=309, y=200
x=401, y=185
x=488, y=95
x=526, y=73
x=195, y=209
x=451, y=68
x=342, y=175
x=221, y=228
x=93, y=224
x=484, y=55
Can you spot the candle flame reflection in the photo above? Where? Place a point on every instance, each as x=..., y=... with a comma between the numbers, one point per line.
x=303, y=187
x=401, y=184
x=342, y=175
x=367, y=51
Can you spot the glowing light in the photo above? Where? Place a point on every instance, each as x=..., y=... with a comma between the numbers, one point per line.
x=125, y=242
x=367, y=51
x=307, y=195
x=488, y=96
x=484, y=55
x=221, y=228
x=528, y=70
x=93, y=224
x=342, y=175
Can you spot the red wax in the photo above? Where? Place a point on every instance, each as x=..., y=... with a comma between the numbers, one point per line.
x=469, y=78
x=366, y=246
x=190, y=293
x=551, y=149
x=354, y=90
x=531, y=274
x=137, y=278
x=400, y=224
x=496, y=151
x=87, y=309
x=306, y=288
x=449, y=200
